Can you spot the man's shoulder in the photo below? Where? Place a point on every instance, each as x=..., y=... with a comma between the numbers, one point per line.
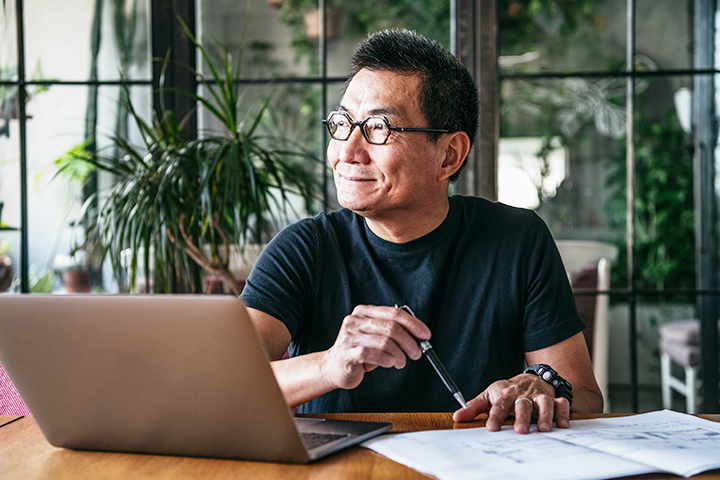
x=328, y=219
x=321, y=225
x=483, y=210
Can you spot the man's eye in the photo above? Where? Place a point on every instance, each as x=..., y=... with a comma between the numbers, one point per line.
x=377, y=125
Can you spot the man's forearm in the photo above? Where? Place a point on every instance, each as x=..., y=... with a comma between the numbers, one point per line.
x=301, y=378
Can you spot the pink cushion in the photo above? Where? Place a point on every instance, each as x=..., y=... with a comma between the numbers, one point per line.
x=685, y=332
x=681, y=353
x=10, y=401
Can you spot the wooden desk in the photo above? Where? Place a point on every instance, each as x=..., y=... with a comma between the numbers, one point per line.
x=26, y=455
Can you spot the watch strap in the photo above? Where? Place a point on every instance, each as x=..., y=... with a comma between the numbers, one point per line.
x=562, y=387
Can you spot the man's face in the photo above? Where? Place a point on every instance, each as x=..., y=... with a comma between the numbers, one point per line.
x=380, y=180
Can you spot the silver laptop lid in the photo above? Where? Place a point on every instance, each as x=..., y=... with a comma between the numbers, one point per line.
x=165, y=374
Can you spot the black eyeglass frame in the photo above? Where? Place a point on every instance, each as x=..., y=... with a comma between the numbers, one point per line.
x=362, y=123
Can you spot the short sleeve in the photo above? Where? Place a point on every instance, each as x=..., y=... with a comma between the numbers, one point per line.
x=551, y=315
x=281, y=282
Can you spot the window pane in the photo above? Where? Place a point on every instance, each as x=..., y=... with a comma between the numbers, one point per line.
x=9, y=200
x=663, y=32
x=277, y=43
x=8, y=44
x=56, y=125
x=558, y=139
x=55, y=198
x=9, y=151
x=58, y=44
x=664, y=180
x=555, y=36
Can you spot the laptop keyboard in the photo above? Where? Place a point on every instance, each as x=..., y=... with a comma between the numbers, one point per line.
x=313, y=440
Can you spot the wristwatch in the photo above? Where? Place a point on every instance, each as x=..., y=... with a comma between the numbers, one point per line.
x=562, y=387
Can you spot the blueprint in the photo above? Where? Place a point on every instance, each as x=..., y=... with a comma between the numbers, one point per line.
x=663, y=441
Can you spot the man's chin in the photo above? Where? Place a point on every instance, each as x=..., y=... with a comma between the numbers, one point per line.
x=356, y=205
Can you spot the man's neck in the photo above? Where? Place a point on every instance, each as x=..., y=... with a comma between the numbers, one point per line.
x=405, y=226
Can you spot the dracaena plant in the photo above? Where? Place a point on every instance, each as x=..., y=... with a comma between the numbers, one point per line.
x=184, y=203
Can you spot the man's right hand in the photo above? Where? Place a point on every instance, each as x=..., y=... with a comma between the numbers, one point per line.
x=372, y=337
x=369, y=337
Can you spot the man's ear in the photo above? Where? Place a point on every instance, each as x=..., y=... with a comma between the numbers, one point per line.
x=457, y=147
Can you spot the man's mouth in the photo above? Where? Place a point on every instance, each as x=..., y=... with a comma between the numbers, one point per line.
x=356, y=177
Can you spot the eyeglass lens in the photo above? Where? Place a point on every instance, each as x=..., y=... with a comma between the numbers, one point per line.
x=375, y=128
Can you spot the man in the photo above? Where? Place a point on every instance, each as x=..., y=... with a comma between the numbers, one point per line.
x=485, y=280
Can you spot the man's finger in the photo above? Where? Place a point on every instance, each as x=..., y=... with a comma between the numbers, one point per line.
x=393, y=323
x=524, y=407
x=476, y=406
x=546, y=410
x=413, y=325
x=360, y=347
x=562, y=412
x=499, y=411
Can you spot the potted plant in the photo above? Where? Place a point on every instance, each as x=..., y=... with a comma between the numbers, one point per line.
x=179, y=206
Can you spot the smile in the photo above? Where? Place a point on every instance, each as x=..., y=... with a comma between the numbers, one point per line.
x=357, y=179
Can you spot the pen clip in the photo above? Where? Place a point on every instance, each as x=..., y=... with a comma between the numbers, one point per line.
x=406, y=308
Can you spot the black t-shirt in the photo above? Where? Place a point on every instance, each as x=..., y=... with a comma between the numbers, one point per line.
x=488, y=282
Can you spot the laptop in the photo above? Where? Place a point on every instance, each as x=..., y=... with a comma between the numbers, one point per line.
x=157, y=374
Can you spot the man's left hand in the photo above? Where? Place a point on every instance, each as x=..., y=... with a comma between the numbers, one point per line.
x=526, y=397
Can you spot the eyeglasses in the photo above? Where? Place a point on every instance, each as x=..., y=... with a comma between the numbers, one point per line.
x=375, y=128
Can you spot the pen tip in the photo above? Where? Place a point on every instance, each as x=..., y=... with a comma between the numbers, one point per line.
x=461, y=400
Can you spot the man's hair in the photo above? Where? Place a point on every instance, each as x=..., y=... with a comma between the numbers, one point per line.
x=448, y=97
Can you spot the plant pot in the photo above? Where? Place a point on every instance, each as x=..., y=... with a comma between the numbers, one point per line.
x=311, y=19
x=241, y=261
x=214, y=284
x=76, y=281
x=6, y=273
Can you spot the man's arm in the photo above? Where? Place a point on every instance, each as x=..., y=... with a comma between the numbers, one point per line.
x=369, y=337
x=570, y=358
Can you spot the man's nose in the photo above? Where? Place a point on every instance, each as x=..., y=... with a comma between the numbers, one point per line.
x=354, y=149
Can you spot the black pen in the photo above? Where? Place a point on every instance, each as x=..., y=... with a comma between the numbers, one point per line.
x=429, y=352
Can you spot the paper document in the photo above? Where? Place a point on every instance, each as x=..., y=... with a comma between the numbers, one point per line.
x=663, y=441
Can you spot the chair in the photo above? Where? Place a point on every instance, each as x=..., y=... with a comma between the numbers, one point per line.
x=680, y=344
x=587, y=264
x=10, y=401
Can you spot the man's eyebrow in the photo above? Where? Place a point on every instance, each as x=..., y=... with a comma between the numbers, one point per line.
x=384, y=111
